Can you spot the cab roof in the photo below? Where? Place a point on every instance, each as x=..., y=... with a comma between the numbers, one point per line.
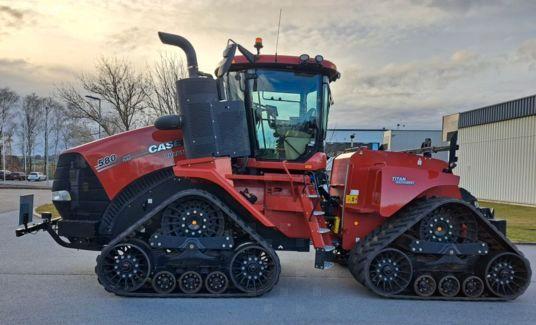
x=287, y=62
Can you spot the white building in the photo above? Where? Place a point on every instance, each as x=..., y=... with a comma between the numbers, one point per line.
x=398, y=140
x=497, y=154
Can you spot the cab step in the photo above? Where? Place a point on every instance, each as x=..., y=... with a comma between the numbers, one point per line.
x=324, y=258
x=328, y=248
x=322, y=230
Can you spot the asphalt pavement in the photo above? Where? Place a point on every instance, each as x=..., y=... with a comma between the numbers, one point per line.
x=9, y=198
x=41, y=282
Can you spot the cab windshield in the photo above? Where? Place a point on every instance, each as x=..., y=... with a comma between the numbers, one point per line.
x=288, y=109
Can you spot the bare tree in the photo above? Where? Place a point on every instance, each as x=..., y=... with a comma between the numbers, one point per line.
x=8, y=99
x=59, y=120
x=162, y=93
x=52, y=121
x=119, y=86
x=31, y=123
x=75, y=133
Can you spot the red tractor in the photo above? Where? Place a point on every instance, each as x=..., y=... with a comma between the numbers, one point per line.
x=198, y=204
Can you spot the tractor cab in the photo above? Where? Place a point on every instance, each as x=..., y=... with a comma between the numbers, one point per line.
x=287, y=102
x=266, y=107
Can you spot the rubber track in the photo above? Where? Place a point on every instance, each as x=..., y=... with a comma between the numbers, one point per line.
x=397, y=225
x=234, y=217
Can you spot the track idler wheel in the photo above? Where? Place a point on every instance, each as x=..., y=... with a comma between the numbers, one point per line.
x=389, y=272
x=473, y=287
x=164, y=282
x=190, y=282
x=216, y=282
x=124, y=268
x=449, y=286
x=425, y=285
x=253, y=269
x=507, y=275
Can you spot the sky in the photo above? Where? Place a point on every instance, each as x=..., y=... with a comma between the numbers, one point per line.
x=402, y=62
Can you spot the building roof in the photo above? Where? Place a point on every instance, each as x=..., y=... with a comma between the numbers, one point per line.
x=516, y=108
x=360, y=135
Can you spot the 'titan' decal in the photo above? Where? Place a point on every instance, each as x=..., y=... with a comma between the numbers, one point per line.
x=402, y=180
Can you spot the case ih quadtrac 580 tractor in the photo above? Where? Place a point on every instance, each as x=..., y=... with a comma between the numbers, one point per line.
x=198, y=204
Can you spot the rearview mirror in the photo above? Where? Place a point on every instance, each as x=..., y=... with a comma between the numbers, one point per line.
x=225, y=63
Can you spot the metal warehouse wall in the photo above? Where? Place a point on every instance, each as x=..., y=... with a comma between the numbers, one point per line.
x=497, y=161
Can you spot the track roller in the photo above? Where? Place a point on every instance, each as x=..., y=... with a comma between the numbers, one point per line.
x=216, y=282
x=164, y=282
x=473, y=286
x=190, y=282
x=425, y=285
x=449, y=286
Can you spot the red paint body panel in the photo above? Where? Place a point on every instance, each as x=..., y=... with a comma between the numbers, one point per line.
x=282, y=59
x=287, y=62
x=316, y=162
x=385, y=182
x=133, y=159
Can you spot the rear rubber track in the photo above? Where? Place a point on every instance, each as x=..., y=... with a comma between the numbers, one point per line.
x=396, y=226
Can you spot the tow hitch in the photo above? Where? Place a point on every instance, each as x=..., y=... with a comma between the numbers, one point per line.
x=27, y=226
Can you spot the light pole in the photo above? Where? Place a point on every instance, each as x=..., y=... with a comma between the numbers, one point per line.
x=46, y=140
x=4, y=154
x=99, y=100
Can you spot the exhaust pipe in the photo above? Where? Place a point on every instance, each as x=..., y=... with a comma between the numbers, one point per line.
x=186, y=46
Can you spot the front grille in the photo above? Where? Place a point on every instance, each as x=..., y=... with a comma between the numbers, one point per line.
x=88, y=198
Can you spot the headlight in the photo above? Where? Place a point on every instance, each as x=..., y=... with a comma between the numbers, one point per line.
x=61, y=196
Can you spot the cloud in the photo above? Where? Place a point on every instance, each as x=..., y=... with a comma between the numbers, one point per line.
x=11, y=19
x=527, y=53
x=129, y=39
x=13, y=14
x=406, y=61
x=28, y=77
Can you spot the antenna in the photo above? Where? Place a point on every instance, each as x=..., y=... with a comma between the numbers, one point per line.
x=277, y=38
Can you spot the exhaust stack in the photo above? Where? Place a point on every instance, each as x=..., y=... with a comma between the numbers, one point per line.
x=186, y=46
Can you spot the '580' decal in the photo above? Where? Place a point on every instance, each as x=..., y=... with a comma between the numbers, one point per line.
x=106, y=161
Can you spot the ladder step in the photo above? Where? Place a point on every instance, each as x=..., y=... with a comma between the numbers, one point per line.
x=328, y=265
x=323, y=230
x=318, y=213
x=329, y=248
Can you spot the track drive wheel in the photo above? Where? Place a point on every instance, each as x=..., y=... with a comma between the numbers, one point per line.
x=389, y=272
x=448, y=225
x=124, y=268
x=425, y=285
x=253, y=269
x=507, y=275
x=164, y=282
